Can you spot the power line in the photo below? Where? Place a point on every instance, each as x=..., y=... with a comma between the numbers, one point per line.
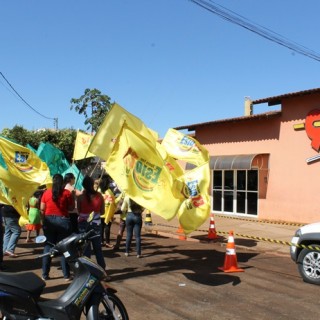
x=266, y=33
x=15, y=91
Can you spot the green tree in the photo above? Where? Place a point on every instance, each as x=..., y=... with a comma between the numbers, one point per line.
x=18, y=134
x=61, y=139
x=94, y=106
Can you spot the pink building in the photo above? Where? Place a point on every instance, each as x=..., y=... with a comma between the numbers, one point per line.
x=266, y=165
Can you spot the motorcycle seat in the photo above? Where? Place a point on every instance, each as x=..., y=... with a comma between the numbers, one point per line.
x=27, y=281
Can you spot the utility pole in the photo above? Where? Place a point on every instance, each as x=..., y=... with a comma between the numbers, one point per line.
x=55, y=123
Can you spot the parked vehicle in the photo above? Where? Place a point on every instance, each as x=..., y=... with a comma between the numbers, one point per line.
x=87, y=295
x=305, y=251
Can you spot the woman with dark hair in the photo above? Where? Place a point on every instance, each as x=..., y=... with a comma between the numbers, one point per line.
x=90, y=207
x=69, y=181
x=55, y=206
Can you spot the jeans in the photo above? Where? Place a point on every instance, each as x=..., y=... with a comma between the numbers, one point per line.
x=105, y=231
x=12, y=232
x=133, y=225
x=85, y=226
x=74, y=222
x=55, y=228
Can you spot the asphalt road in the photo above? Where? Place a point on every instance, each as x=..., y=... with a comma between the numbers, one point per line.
x=178, y=279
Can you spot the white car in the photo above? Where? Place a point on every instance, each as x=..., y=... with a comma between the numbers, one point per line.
x=305, y=251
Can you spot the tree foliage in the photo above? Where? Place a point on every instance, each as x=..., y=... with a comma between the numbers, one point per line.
x=18, y=134
x=61, y=139
x=94, y=106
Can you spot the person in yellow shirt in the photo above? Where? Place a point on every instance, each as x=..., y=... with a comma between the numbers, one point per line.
x=105, y=186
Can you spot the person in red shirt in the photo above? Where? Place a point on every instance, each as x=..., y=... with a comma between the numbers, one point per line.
x=90, y=208
x=55, y=206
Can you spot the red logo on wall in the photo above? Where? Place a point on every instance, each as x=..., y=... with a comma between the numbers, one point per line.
x=312, y=127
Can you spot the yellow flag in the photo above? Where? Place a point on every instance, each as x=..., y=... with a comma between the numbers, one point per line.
x=81, y=146
x=195, y=209
x=24, y=172
x=104, y=140
x=149, y=172
x=184, y=147
x=139, y=170
x=19, y=190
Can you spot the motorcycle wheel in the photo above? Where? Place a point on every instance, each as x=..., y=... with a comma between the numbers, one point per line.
x=108, y=308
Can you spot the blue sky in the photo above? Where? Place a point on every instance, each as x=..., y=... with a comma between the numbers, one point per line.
x=169, y=62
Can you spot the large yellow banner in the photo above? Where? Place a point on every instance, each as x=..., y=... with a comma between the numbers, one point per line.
x=149, y=172
x=141, y=173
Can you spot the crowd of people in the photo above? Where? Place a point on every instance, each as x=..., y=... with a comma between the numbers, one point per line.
x=61, y=209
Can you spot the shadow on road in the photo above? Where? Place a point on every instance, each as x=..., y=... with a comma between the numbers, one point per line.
x=198, y=262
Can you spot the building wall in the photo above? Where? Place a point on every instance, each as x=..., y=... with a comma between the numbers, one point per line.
x=292, y=185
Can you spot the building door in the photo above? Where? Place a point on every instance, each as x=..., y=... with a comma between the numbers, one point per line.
x=235, y=191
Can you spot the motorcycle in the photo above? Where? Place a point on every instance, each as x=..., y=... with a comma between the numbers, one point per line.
x=87, y=295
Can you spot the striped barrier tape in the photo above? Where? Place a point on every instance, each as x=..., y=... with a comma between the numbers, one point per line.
x=302, y=246
x=279, y=242
x=263, y=221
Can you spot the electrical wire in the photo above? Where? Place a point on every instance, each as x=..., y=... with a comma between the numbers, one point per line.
x=15, y=91
x=266, y=33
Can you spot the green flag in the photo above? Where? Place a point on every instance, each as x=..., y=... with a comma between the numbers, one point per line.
x=53, y=157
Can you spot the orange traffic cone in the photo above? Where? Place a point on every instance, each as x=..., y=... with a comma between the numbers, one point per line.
x=212, y=234
x=230, y=261
x=182, y=235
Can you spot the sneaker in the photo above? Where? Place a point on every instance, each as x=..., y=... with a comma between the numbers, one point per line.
x=45, y=278
x=126, y=254
x=68, y=279
x=138, y=256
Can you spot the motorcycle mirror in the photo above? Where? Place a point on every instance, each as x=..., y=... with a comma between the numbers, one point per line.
x=41, y=239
